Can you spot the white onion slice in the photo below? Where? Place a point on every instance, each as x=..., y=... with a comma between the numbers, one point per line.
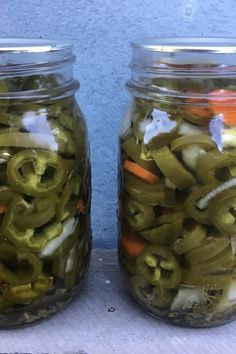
x=203, y=203
x=187, y=298
x=190, y=129
x=229, y=299
x=233, y=244
x=70, y=263
x=228, y=138
x=68, y=228
x=169, y=184
x=190, y=155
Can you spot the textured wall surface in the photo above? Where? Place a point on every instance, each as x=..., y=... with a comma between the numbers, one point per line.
x=101, y=31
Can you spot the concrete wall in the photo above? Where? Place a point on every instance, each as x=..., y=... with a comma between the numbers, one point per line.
x=101, y=31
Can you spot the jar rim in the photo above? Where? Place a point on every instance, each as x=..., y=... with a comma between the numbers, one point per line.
x=23, y=53
x=188, y=44
x=24, y=57
x=31, y=45
x=195, y=54
x=176, y=58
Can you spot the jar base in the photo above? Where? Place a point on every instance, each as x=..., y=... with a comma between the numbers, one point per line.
x=190, y=320
x=35, y=313
x=181, y=319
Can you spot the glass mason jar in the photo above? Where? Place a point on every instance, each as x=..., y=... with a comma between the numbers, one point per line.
x=45, y=190
x=177, y=218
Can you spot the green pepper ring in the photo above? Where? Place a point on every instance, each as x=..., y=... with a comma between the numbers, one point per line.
x=153, y=261
x=22, y=275
x=26, y=293
x=31, y=184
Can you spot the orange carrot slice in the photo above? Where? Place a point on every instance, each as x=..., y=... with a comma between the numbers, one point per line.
x=81, y=207
x=140, y=172
x=201, y=111
x=133, y=247
x=3, y=209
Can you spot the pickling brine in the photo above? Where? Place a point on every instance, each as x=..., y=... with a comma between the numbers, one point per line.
x=44, y=182
x=177, y=215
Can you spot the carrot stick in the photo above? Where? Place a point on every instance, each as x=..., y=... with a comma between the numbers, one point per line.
x=140, y=172
x=81, y=207
x=3, y=209
x=133, y=247
x=201, y=111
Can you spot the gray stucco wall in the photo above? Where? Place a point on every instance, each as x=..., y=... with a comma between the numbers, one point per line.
x=101, y=31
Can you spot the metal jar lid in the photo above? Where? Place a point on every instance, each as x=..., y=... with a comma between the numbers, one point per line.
x=14, y=51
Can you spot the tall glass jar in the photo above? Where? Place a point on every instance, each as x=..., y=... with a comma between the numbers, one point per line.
x=45, y=236
x=177, y=217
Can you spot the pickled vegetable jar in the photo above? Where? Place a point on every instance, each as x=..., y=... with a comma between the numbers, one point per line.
x=177, y=215
x=44, y=181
